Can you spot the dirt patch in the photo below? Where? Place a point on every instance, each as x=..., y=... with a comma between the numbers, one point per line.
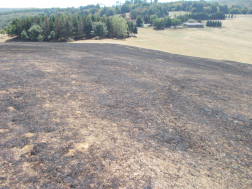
x=112, y=116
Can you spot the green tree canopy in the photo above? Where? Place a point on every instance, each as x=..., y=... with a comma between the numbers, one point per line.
x=34, y=32
x=159, y=23
x=99, y=29
x=153, y=17
x=139, y=21
x=135, y=30
x=120, y=26
x=24, y=35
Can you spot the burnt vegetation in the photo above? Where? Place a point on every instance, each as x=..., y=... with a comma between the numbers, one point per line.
x=111, y=116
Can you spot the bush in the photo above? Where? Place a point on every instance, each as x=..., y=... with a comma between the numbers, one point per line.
x=175, y=22
x=2, y=32
x=135, y=29
x=153, y=17
x=24, y=35
x=40, y=38
x=159, y=23
x=168, y=21
x=52, y=35
x=99, y=29
x=34, y=32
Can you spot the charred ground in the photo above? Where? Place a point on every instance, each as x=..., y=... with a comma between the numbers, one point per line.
x=111, y=116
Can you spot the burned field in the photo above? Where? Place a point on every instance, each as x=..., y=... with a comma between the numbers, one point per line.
x=111, y=116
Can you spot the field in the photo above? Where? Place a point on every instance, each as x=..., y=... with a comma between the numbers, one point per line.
x=115, y=116
x=232, y=42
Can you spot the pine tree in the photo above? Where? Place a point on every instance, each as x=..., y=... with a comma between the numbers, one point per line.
x=80, y=26
x=135, y=30
x=139, y=21
x=88, y=27
x=57, y=28
x=46, y=29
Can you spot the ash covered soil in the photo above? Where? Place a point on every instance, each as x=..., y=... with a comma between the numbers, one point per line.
x=111, y=116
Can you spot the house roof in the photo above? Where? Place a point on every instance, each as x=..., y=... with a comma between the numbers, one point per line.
x=193, y=24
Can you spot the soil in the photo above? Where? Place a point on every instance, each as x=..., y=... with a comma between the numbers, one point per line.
x=113, y=116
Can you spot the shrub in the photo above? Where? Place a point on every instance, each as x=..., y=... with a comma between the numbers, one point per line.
x=153, y=17
x=34, y=32
x=40, y=38
x=99, y=29
x=24, y=35
x=159, y=23
x=52, y=35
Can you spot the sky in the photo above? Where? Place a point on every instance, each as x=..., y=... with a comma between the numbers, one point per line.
x=58, y=3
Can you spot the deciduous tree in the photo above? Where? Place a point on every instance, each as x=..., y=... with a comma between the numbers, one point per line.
x=99, y=29
x=24, y=35
x=159, y=23
x=120, y=26
x=34, y=32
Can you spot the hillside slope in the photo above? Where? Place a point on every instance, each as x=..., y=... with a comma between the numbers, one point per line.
x=111, y=116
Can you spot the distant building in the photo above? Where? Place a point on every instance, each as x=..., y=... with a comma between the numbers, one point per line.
x=193, y=25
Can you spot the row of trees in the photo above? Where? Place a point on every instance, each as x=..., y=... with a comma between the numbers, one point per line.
x=136, y=8
x=45, y=28
x=158, y=12
x=168, y=21
x=162, y=9
x=202, y=16
x=159, y=22
x=211, y=23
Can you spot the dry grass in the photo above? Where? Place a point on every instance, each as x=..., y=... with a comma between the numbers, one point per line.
x=232, y=42
x=177, y=13
x=4, y=38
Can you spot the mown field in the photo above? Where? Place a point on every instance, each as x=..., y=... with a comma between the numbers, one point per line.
x=115, y=116
x=232, y=42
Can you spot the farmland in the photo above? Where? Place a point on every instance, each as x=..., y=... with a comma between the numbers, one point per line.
x=232, y=42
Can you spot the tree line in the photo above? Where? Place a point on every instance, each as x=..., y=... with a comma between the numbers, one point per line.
x=139, y=9
x=211, y=23
x=43, y=28
x=202, y=16
x=143, y=8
